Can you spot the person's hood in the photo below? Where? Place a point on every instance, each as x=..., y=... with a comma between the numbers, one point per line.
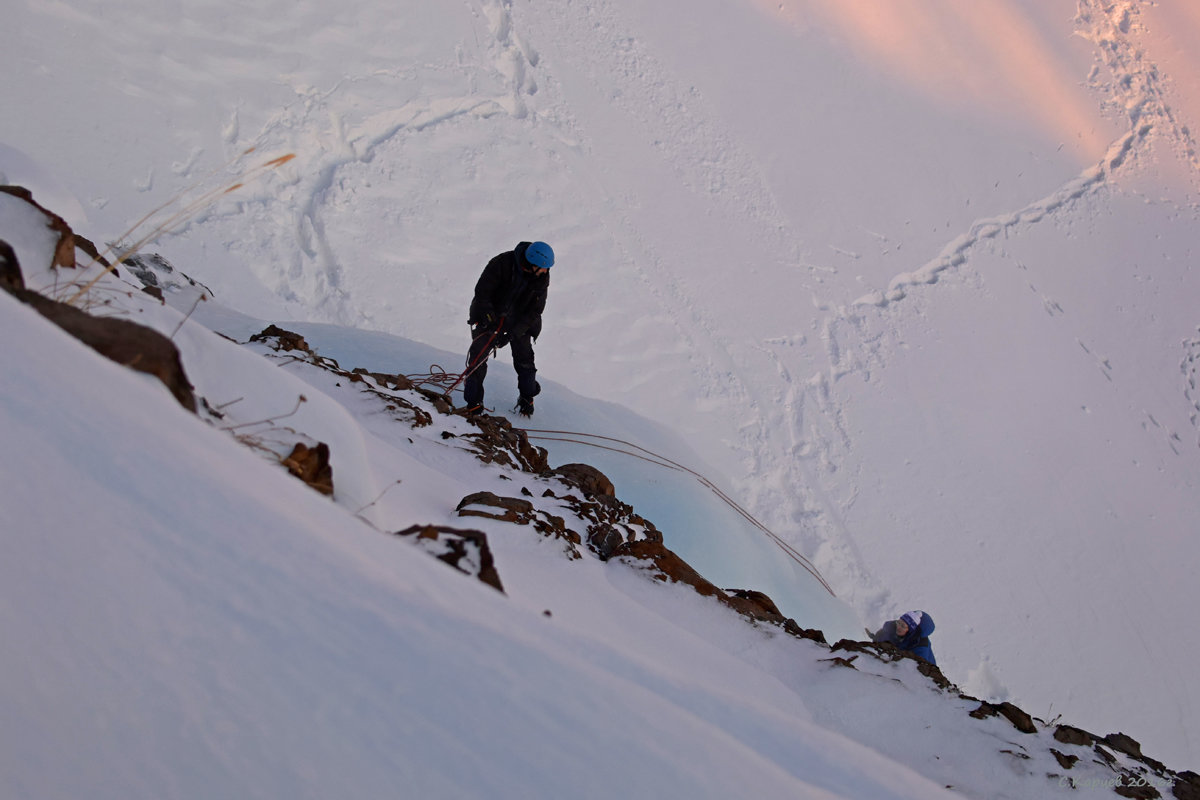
x=919, y=625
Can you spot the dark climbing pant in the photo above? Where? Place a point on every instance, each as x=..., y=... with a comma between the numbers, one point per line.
x=522, y=355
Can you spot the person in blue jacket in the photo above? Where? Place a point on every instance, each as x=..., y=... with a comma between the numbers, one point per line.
x=911, y=633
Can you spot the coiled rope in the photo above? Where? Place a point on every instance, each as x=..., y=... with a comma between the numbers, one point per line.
x=627, y=448
x=449, y=381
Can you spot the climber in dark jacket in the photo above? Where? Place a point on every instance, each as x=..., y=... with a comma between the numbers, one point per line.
x=507, y=310
x=911, y=633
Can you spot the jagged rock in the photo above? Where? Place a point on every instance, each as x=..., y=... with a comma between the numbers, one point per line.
x=508, y=509
x=842, y=662
x=604, y=541
x=1071, y=735
x=765, y=605
x=465, y=550
x=279, y=339
x=518, y=511
x=127, y=343
x=64, y=250
x=1065, y=761
x=1135, y=786
x=10, y=269
x=1187, y=785
x=1124, y=744
x=589, y=480
x=291, y=342
x=499, y=443
x=1019, y=719
x=665, y=565
x=888, y=652
x=439, y=400
x=156, y=275
x=791, y=626
x=755, y=605
x=383, y=379
x=311, y=465
x=610, y=522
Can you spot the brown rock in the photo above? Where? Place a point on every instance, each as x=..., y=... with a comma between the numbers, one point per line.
x=1124, y=744
x=1019, y=719
x=812, y=634
x=591, y=481
x=465, y=550
x=754, y=604
x=1187, y=786
x=1071, y=735
x=311, y=465
x=127, y=343
x=498, y=442
x=283, y=340
x=666, y=565
x=519, y=511
x=506, y=509
x=10, y=269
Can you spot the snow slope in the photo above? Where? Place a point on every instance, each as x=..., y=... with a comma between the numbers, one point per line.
x=914, y=282
x=215, y=628
x=184, y=619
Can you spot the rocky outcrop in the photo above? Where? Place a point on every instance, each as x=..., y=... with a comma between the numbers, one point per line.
x=127, y=343
x=664, y=565
x=465, y=550
x=159, y=277
x=592, y=498
x=519, y=511
x=1019, y=719
x=280, y=340
x=389, y=388
x=887, y=652
x=498, y=442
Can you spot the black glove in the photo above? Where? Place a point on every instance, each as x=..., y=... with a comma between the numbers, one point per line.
x=525, y=406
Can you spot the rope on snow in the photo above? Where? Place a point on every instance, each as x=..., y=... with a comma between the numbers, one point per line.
x=666, y=463
x=439, y=378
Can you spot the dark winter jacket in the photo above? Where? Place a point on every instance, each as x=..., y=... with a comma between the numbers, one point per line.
x=916, y=641
x=507, y=291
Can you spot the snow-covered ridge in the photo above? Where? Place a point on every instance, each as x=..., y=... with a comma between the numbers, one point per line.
x=189, y=619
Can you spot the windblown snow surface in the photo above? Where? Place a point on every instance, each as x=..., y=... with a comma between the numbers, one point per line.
x=914, y=282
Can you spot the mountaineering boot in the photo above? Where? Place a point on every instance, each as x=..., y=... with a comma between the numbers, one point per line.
x=525, y=406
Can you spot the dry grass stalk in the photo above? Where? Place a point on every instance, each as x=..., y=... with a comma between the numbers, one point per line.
x=179, y=216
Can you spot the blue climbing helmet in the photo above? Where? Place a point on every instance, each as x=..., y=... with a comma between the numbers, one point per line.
x=540, y=255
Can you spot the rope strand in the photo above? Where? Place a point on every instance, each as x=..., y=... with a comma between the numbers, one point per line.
x=663, y=461
x=438, y=377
